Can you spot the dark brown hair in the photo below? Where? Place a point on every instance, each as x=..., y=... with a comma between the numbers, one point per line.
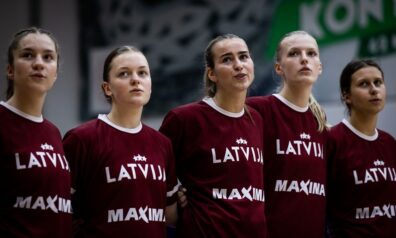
x=348, y=71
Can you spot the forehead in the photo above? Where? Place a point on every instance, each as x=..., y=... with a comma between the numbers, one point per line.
x=299, y=41
x=228, y=46
x=369, y=72
x=37, y=41
x=130, y=59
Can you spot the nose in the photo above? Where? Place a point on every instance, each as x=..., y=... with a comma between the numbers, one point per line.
x=238, y=65
x=304, y=57
x=373, y=88
x=38, y=62
x=135, y=79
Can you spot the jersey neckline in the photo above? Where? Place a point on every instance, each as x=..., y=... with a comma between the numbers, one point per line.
x=212, y=104
x=358, y=133
x=135, y=130
x=15, y=110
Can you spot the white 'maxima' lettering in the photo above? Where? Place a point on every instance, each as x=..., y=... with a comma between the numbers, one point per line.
x=145, y=214
x=250, y=193
x=55, y=204
x=308, y=187
x=386, y=210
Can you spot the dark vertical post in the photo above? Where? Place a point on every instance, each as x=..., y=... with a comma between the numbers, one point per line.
x=34, y=12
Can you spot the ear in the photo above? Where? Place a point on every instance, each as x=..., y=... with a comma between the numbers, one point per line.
x=10, y=72
x=106, y=89
x=346, y=98
x=320, y=68
x=278, y=69
x=211, y=75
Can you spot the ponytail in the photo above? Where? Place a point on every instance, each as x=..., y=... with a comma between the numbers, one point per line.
x=319, y=113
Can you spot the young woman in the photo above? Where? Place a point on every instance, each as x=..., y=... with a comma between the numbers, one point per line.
x=362, y=165
x=218, y=147
x=122, y=170
x=294, y=139
x=34, y=174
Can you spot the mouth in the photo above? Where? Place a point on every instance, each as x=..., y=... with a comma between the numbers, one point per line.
x=240, y=76
x=136, y=90
x=37, y=76
x=305, y=70
x=375, y=100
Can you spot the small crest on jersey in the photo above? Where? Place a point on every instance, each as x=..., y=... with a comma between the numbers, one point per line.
x=46, y=146
x=305, y=136
x=241, y=141
x=139, y=158
x=379, y=163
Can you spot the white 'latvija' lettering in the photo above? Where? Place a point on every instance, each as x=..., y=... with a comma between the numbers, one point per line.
x=299, y=147
x=132, y=171
x=41, y=159
x=236, y=153
x=373, y=175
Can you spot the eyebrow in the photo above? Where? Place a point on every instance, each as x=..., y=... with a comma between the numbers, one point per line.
x=126, y=67
x=31, y=49
x=239, y=53
x=308, y=48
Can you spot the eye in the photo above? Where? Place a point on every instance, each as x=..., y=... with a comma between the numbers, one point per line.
x=226, y=59
x=363, y=84
x=27, y=55
x=143, y=73
x=123, y=74
x=312, y=53
x=49, y=57
x=378, y=82
x=244, y=57
x=293, y=53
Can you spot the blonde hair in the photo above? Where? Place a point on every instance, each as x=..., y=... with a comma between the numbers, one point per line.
x=314, y=106
x=318, y=113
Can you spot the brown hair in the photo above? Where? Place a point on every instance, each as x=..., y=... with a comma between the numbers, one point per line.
x=109, y=59
x=15, y=44
x=210, y=88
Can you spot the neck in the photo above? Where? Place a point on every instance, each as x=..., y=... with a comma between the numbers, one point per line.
x=230, y=103
x=28, y=104
x=127, y=118
x=299, y=97
x=366, y=124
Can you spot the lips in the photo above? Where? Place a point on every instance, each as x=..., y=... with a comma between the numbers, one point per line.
x=375, y=100
x=305, y=69
x=136, y=90
x=37, y=75
x=240, y=76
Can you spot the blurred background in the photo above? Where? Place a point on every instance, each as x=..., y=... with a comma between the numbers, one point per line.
x=174, y=33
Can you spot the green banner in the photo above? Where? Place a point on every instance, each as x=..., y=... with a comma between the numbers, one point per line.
x=330, y=21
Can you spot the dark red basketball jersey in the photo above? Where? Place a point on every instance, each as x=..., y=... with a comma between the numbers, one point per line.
x=219, y=160
x=123, y=179
x=362, y=183
x=295, y=169
x=34, y=177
